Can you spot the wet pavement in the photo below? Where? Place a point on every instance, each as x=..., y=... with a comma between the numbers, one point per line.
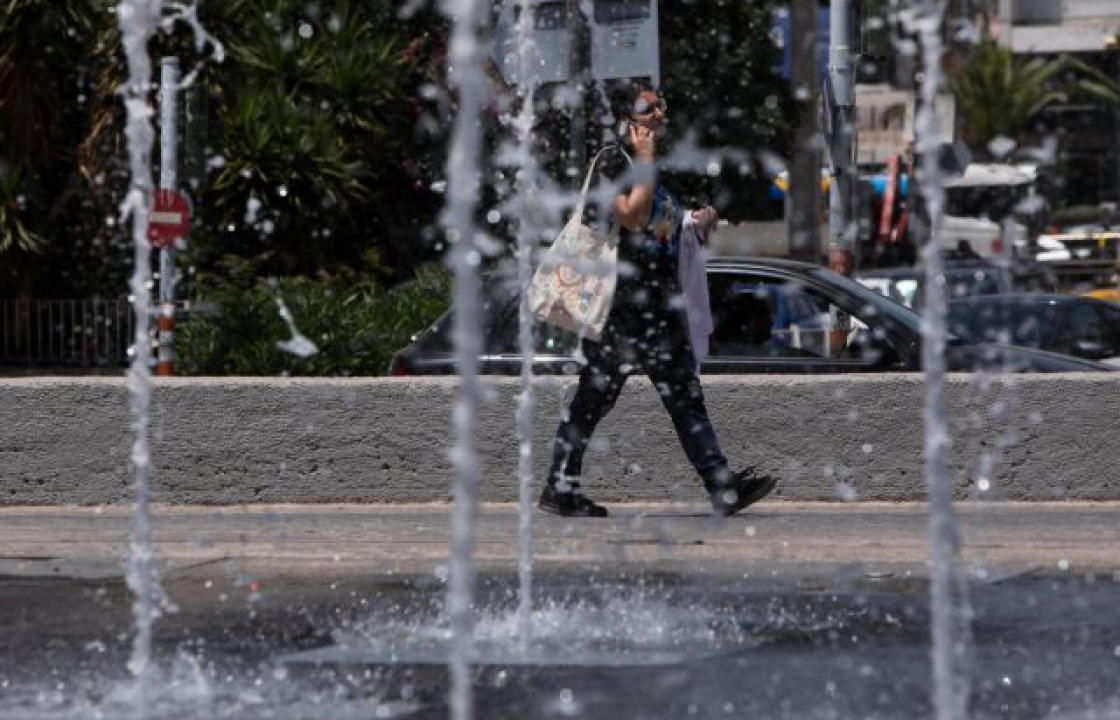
x=789, y=611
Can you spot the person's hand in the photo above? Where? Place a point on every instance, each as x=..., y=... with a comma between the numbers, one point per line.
x=705, y=218
x=642, y=139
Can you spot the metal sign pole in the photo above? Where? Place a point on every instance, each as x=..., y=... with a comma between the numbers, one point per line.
x=803, y=198
x=841, y=71
x=168, y=180
x=580, y=70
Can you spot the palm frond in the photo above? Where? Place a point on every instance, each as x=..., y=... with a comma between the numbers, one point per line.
x=998, y=93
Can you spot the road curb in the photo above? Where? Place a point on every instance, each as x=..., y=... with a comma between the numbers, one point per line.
x=247, y=440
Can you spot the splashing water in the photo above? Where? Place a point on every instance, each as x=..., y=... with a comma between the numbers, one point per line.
x=526, y=240
x=947, y=587
x=465, y=73
x=297, y=344
x=138, y=21
x=614, y=628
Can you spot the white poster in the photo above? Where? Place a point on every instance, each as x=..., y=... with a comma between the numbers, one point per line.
x=624, y=40
x=550, y=46
x=885, y=120
x=884, y=123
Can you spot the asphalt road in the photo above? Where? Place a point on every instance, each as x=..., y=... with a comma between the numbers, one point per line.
x=790, y=610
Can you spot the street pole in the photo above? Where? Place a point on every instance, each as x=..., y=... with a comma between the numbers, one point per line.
x=168, y=180
x=580, y=69
x=193, y=161
x=842, y=53
x=803, y=196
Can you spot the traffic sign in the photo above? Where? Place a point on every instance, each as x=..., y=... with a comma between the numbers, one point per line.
x=170, y=218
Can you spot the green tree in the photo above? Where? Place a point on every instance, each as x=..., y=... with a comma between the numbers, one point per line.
x=1001, y=94
x=718, y=64
x=318, y=164
x=48, y=64
x=320, y=155
x=321, y=160
x=355, y=326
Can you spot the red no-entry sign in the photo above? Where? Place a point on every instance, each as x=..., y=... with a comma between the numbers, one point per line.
x=170, y=219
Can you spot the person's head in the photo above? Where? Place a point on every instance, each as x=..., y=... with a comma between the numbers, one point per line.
x=840, y=260
x=638, y=101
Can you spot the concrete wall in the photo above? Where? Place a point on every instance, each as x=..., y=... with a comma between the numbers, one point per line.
x=384, y=440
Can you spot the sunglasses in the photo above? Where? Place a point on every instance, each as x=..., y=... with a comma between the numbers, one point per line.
x=642, y=108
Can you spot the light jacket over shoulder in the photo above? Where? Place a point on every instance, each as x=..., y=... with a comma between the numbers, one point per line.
x=693, y=279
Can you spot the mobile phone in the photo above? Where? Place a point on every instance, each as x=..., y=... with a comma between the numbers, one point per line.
x=623, y=129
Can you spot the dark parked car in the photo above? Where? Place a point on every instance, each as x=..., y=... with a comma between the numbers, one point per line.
x=771, y=316
x=965, y=277
x=1064, y=324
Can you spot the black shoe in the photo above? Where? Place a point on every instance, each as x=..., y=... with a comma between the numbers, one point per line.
x=744, y=488
x=569, y=504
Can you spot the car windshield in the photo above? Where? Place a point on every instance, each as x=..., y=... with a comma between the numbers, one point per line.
x=865, y=296
x=908, y=288
x=1014, y=323
x=973, y=281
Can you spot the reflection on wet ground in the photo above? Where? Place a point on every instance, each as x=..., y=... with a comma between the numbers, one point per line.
x=619, y=645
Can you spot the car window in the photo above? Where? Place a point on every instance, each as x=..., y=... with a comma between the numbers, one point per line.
x=900, y=288
x=905, y=291
x=496, y=297
x=547, y=339
x=766, y=317
x=437, y=338
x=962, y=282
x=973, y=281
x=1111, y=318
x=1082, y=324
x=1012, y=322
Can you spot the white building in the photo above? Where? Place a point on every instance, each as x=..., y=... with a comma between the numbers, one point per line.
x=1090, y=31
x=1057, y=26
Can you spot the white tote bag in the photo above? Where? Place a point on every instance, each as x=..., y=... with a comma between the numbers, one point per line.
x=574, y=284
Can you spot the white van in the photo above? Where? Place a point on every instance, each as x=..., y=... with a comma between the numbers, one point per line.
x=980, y=208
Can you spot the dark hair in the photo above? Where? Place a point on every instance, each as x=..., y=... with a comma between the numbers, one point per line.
x=624, y=94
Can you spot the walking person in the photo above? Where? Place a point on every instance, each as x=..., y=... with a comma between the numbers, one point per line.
x=646, y=331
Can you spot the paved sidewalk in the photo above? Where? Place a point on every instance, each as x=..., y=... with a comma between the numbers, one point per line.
x=776, y=538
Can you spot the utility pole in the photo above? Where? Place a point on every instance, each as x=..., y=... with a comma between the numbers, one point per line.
x=803, y=199
x=168, y=180
x=193, y=162
x=843, y=52
x=579, y=33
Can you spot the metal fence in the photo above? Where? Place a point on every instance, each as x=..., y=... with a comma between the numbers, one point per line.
x=65, y=333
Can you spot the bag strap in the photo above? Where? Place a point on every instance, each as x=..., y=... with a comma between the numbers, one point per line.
x=581, y=204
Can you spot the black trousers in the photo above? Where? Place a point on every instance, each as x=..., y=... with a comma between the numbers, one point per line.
x=646, y=332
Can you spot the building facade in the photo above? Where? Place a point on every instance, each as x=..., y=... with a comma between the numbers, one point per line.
x=1089, y=133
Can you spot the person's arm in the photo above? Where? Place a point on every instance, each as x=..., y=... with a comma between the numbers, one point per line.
x=633, y=208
